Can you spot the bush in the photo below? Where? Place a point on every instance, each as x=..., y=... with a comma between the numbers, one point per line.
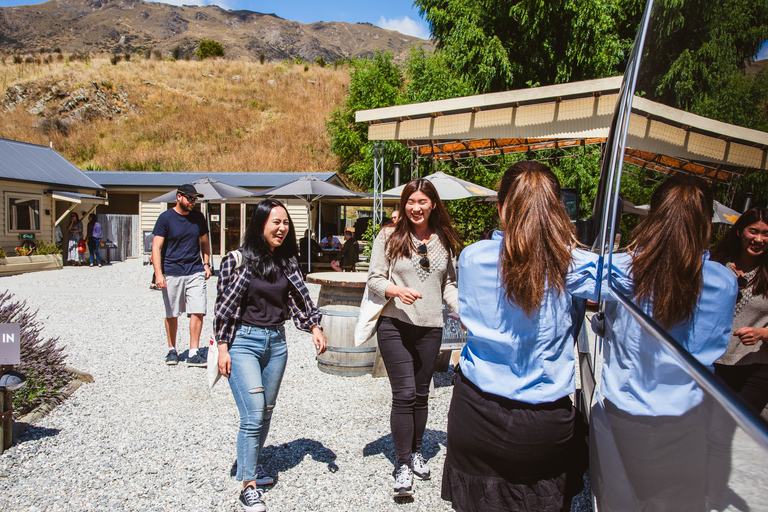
x=43, y=247
x=209, y=48
x=320, y=62
x=114, y=59
x=262, y=58
x=2, y=253
x=176, y=53
x=42, y=361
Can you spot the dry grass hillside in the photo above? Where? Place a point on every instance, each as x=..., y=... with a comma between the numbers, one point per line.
x=209, y=116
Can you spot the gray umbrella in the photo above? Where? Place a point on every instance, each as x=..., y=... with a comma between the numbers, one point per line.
x=212, y=190
x=310, y=189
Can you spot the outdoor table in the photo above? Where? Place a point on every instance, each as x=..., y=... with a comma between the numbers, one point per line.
x=329, y=255
x=339, y=301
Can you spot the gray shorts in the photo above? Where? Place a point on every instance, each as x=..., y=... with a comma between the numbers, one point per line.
x=184, y=294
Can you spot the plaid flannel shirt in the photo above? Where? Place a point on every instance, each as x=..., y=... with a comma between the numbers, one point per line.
x=233, y=284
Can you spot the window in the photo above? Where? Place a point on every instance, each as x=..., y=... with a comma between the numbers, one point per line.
x=23, y=213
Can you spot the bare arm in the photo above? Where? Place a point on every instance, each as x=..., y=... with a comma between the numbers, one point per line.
x=206, y=250
x=157, y=245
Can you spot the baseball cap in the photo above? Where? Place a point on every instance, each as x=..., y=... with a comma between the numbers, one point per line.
x=189, y=190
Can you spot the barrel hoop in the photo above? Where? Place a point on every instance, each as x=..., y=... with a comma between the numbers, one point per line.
x=350, y=350
x=348, y=298
x=331, y=312
x=345, y=365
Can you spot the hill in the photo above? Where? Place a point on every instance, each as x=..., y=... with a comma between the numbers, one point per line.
x=120, y=26
x=143, y=114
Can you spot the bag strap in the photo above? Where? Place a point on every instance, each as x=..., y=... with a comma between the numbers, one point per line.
x=238, y=258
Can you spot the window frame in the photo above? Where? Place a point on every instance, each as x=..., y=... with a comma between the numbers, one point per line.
x=22, y=195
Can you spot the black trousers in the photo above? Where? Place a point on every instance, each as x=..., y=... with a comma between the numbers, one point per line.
x=409, y=353
x=749, y=381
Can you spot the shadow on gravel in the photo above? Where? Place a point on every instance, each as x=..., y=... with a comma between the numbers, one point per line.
x=430, y=445
x=277, y=459
x=28, y=432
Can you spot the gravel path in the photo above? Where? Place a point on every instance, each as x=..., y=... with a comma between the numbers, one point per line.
x=145, y=436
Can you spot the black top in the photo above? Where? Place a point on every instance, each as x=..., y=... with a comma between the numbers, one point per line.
x=264, y=303
x=350, y=253
x=181, y=249
x=314, y=246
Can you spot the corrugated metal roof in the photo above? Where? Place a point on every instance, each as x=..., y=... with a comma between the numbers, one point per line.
x=174, y=179
x=39, y=164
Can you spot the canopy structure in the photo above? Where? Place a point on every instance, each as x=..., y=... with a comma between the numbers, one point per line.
x=660, y=138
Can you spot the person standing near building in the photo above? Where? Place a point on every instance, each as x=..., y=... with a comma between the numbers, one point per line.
x=180, y=257
x=93, y=239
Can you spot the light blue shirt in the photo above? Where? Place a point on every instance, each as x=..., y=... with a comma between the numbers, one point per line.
x=639, y=375
x=509, y=354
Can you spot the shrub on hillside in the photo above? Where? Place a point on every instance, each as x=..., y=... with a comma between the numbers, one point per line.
x=42, y=361
x=209, y=48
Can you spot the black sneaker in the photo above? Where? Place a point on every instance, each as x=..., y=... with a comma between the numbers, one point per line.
x=252, y=500
x=197, y=360
x=172, y=358
x=419, y=466
x=403, y=482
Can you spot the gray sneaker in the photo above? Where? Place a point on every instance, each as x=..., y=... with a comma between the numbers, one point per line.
x=403, y=482
x=252, y=500
x=172, y=358
x=419, y=466
x=262, y=478
x=197, y=360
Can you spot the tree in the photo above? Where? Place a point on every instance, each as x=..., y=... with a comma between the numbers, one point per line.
x=498, y=45
x=209, y=48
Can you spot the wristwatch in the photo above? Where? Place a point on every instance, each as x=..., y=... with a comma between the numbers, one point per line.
x=206, y=264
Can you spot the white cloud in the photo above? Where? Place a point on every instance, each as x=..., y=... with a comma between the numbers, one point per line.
x=405, y=25
x=224, y=4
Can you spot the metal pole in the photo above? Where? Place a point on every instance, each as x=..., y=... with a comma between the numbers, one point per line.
x=378, y=184
x=397, y=174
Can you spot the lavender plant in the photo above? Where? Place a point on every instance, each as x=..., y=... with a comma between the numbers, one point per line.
x=42, y=360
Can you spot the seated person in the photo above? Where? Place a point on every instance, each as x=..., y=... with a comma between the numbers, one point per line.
x=307, y=244
x=330, y=242
x=349, y=254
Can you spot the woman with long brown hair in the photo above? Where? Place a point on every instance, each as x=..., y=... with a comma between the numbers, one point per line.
x=412, y=265
x=653, y=405
x=744, y=251
x=522, y=298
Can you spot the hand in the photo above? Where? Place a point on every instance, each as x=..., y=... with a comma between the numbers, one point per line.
x=225, y=361
x=160, y=281
x=408, y=295
x=318, y=339
x=750, y=335
x=207, y=272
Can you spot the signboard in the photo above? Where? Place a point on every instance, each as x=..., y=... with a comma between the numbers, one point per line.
x=27, y=236
x=10, y=344
x=214, y=218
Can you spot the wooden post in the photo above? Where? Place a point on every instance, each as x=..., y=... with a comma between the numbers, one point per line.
x=6, y=414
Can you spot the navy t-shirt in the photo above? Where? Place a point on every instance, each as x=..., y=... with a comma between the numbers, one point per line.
x=181, y=251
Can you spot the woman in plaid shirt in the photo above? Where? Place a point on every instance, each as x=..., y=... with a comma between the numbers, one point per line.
x=256, y=294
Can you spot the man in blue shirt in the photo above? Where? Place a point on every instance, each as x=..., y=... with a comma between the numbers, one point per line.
x=180, y=256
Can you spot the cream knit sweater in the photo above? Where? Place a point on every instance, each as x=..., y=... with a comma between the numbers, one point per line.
x=437, y=285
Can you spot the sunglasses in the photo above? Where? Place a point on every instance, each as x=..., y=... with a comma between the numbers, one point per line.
x=189, y=198
x=424, y=261
x=742, y=282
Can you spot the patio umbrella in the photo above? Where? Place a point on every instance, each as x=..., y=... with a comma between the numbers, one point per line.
x=449, y=187
x=212, y=190
x=310, y=189
x=723, y=214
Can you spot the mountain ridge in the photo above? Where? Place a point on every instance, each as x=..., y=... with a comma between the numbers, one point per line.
x=119, y=26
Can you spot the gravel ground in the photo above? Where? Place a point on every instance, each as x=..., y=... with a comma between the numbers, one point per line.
x=146, y=436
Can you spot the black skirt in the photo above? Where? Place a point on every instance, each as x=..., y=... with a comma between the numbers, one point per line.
x=506, y=455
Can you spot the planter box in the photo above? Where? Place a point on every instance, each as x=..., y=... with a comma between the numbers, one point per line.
x=11, y=265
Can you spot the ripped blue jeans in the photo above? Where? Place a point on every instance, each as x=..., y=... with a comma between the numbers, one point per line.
x=258, y=357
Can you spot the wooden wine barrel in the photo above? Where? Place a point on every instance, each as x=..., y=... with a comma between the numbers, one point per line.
x=339, y=301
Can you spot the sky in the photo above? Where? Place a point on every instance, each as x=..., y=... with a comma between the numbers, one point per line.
x=397, y=15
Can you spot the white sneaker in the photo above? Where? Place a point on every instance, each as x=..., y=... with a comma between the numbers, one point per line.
x=262, y=478
x=403, y=482
x=419, y=466
x=252, y=500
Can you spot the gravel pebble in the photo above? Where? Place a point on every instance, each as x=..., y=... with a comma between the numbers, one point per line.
x=149, y=437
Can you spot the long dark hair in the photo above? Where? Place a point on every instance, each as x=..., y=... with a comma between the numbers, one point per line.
x=669, y=244
x=728, y=248
x=267, y=264
x=537, y=234
x=77, y=217
x=400, y=243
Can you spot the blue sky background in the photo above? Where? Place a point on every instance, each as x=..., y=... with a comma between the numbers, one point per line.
x=397, y=15
x=390, y=14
